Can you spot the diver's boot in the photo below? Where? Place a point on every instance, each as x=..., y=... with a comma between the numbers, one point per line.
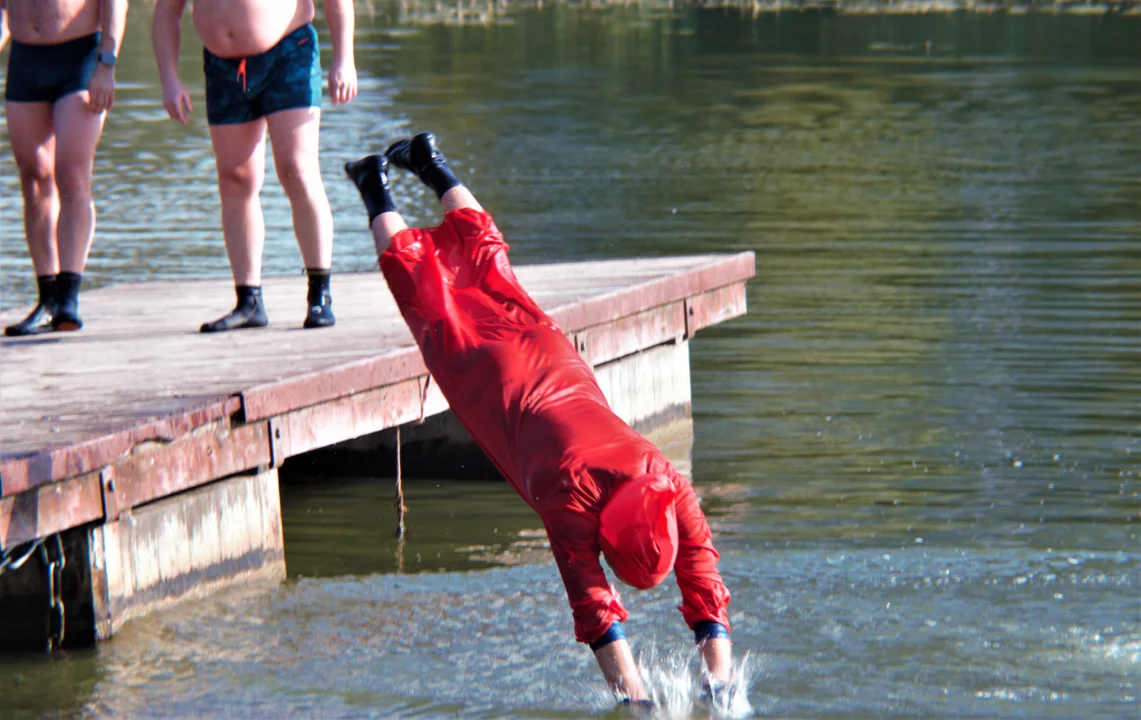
x=421, y=156
x=248, y=313
x=39, y=320
x=320, y=313
x=370, y=175
x=713, y=691
x=66, y=317
x=636, y=708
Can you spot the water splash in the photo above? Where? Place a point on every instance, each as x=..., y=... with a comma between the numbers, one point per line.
x=675, y=679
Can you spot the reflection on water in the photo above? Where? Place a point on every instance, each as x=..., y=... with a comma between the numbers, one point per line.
x=918, y=451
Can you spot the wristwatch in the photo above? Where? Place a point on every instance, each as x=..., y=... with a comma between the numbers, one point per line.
x=107, y=58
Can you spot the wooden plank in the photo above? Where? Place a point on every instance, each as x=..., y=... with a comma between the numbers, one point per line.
x=715, y=273
x=18, y=474
x=310, y=388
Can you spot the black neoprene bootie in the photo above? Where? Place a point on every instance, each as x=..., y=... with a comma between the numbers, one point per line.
x=421, y=156
x=248, y=313
x=370, y=175
x=320, y=299
x=66, y=317
x=39, y=320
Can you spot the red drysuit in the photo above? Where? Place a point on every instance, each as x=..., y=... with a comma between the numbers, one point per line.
x=533, y=405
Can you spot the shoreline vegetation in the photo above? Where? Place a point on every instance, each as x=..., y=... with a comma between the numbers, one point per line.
x=477, y=11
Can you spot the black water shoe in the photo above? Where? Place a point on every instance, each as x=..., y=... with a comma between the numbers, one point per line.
x=421, y=156
x=370, y=175
x=66, y=315
x=248, y=313
x=320, y=300
x=38, y=321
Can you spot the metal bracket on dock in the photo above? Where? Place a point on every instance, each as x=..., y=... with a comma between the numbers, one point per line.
x=111, y=507
x=276, y=442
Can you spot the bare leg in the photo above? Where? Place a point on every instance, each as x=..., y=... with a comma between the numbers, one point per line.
x=621, y=672
x=384, y=227
x=459, y=198
x=294, y=136
x=239, y=153
x=32, y=136
x=78, y=131
x=717, y=653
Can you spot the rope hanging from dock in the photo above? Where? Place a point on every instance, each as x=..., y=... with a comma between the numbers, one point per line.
x=399, y=504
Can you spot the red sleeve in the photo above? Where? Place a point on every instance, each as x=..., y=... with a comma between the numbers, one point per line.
x=704, y=595
x=593, y=600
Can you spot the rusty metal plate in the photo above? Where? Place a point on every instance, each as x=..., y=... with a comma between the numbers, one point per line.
x=346, y=418
x=714, y=306
x=631, y=334
x=155, y=470
x=50, y=509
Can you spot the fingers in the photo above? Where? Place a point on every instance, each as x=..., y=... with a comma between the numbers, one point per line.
x=342, y=88
x=179, y=107
x=101, y=99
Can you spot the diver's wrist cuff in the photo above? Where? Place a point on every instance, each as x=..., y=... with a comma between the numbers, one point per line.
x=709, y=630
x=614, y=632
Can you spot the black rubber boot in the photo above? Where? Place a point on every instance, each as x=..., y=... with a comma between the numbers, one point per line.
x=370, y=175
x=248, y=313
x=66, y=317
x=320, y=312
x=421, y=156
x=39, y=320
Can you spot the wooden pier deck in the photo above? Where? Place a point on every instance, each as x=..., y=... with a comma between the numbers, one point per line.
x=140, y=406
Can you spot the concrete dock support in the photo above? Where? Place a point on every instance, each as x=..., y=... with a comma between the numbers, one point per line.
x=186, y=545
x=183, y=546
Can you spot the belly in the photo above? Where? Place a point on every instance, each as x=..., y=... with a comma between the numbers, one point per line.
x=240, y=28
x=41, y=23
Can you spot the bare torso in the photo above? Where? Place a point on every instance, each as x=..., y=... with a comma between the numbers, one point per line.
x=240, y=28
x=48, y=22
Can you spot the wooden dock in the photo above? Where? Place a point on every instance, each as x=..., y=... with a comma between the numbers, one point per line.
x=140, y=413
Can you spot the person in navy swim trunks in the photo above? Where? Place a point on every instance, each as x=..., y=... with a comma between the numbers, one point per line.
x=518, y=385
x=263, y=73
x=59, y=86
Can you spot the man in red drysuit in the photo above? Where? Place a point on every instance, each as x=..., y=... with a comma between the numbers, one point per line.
x=518, y=385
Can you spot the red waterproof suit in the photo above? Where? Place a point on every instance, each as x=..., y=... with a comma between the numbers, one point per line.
x=533, y=405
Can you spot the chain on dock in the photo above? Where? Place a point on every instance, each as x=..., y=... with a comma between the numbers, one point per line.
x=51, y=553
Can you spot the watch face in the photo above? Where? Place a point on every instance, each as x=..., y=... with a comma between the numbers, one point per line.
x=107, y=58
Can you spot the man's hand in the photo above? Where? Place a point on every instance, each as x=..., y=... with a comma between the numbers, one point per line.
x=176, y=99
x=342, y=82
x=101, y=89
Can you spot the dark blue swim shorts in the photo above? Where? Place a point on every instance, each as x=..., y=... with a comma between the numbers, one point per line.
x=45, y=73
x=286, y=76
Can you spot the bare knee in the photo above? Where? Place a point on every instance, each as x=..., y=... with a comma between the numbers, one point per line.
x=37, y=176
x=74, y=182
x=299, y=179
x=240, y=180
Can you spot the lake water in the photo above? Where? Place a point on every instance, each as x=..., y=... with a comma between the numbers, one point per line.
x=919, y=451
